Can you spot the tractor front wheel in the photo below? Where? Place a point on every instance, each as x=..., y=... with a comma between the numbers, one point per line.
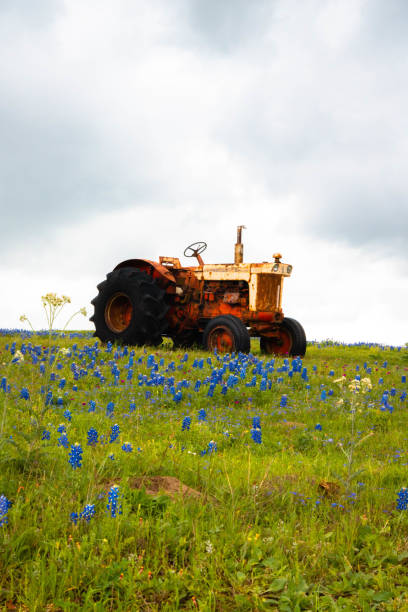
x=130, y=308
x=227, y=334
x=291, y=340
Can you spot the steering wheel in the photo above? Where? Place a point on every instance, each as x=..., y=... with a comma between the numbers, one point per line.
x=196, y=248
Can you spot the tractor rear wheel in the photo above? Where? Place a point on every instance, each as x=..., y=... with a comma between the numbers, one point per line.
x=130, y=308
x=291, y=341
x=227, y=334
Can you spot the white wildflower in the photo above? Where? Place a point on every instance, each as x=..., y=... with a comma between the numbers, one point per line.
x=209, y=548
x=18, y=357
x=366, y=385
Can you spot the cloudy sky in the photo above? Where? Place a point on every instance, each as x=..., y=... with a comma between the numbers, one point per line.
x=131, y=128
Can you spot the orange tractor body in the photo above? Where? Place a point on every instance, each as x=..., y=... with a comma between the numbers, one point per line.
x=213, y=305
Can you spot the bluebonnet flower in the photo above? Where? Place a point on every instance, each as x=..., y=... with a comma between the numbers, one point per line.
x=46, y=435
x=5, y=504
x=24, y=394
x=92, y=406
x=403, y=378
x=177, y=396
x=127, y=447
x=212, y=447
x=202, y=415
x=92, y=437
x=48, y=398
x=115, y=431
x=61, y=428
x=283, y=401
x=68, y=415
x=402, y=500
x=61, y=383
x=75, y=456
x=60, y=401
x=256, y=435
x=74, y=517
x=109, y=408
x=4, y=383
x=63, y=440
x=113, y=507
x=88, y=512
x=186, y=423
x=318, y=427
x=256, y=422
x=323, y=395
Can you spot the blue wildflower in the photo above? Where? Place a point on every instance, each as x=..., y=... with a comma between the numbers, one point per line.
x=186, y=423
x=46, y=435
x=256, y=422
x=74, y=517
x=92, y=406
x=68, y=415
x=256, y=435
x=202, y=415
x=113, y=507
x=88, y=512
x=402, y=500
x=127, y=447
x=63, y=440
x=283, y=401
x=109, y=409
x=318, y=427
x=5, y=504
x=212, y=447
x=115, y=431
x=24, y=394
x=92, y=437
x=61, y=428
x=75, y=456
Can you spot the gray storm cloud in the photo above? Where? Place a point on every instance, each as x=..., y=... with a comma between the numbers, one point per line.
x=139, y=103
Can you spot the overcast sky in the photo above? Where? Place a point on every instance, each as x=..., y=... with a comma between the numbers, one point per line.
x=131, y=128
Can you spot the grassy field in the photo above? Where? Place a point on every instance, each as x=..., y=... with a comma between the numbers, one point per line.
x=155, y=479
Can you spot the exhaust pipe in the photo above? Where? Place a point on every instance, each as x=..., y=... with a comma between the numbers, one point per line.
x=239, y=247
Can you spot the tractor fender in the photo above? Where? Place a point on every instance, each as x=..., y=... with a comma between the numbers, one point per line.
x=160, y=273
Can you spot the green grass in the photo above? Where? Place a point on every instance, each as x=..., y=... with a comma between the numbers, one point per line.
x=263, y=535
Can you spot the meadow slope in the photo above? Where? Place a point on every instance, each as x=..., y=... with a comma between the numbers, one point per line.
x=160, y=479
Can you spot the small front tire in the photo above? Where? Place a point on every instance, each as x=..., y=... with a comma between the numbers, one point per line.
x=227, y=334
x=291, y=341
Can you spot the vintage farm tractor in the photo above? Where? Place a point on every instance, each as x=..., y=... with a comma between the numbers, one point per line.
x=210, y=305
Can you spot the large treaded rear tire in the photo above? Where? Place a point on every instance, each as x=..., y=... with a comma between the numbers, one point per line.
x=293, y=340
x=130, y=308
x=226, y=333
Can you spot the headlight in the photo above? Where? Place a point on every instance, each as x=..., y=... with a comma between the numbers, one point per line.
x=289, y=269
x=275, y=267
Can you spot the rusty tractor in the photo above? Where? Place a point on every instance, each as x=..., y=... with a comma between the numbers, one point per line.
x=215, y=306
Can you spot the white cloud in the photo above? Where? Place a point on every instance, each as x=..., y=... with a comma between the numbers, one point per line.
x=137, y=128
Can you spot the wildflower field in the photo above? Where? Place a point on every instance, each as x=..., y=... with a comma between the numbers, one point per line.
x=158, y=479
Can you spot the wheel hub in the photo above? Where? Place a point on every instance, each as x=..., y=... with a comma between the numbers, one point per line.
x=118, y=312
x=221, y=338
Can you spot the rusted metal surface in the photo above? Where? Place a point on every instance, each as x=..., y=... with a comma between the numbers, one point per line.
x=160, y=273
x=118, y=312
x=196, y=294
x=239, y=247
x=172, y=261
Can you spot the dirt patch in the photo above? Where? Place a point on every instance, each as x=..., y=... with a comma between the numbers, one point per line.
x=329, y=489
x=292, y=424
x=169, y=485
